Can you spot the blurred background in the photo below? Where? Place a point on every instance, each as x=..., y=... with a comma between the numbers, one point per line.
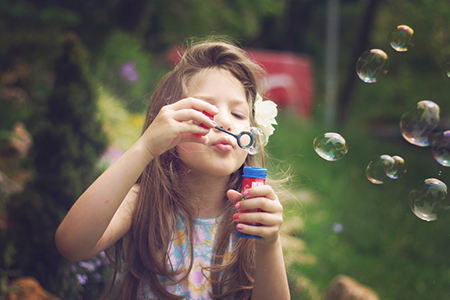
x=76, y=77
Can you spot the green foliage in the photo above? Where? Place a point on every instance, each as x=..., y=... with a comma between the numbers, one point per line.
x=173, y=21
x=68, y=142
x=127, y=70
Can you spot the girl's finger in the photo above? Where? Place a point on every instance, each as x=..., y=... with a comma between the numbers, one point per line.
x=263, y=218
x=261, y=191
x=265, y=204
x=197, y=117
x=267, y=233
x=234, y=196
x=196, y=104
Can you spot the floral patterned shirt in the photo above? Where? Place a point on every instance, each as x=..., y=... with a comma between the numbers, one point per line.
x=197, y=285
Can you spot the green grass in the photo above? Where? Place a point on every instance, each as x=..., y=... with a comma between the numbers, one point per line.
x=383, y=244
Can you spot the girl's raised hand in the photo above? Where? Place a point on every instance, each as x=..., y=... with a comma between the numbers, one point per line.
x=177, y=123
x=270, y=218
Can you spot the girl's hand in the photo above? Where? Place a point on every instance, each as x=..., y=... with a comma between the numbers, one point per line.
x=178, y=123
x=270, y=217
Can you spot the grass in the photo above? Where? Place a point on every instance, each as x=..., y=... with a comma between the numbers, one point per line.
x=382, y=244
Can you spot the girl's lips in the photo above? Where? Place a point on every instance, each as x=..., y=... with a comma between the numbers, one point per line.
x=223, y=144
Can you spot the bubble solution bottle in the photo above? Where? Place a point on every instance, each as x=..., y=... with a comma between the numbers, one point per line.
x=252, y=177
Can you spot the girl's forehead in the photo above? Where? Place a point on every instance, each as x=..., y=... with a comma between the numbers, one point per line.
x=214, y=73
x=215, y=81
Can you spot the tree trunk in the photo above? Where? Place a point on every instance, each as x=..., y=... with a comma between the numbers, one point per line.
x=345, y=99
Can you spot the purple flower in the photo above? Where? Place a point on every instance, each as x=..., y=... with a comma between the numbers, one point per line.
x=338, y=228
x=128, y=70
x=89, y=266
x=82, y=278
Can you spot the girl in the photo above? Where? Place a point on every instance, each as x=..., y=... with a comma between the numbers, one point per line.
x=170, y=201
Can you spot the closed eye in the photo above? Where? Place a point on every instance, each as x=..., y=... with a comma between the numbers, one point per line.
x=239, y=116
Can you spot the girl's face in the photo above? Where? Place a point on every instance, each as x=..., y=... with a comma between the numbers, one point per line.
x=221, y=156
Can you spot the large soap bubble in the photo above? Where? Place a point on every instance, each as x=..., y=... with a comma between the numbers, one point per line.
x=429, y=199
x=418, y=123
x=372, y=64
x=330, y=146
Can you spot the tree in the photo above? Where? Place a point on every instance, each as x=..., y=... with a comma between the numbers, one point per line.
x=68, y=142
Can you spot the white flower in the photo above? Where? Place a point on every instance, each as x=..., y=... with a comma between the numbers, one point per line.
x=265, y=113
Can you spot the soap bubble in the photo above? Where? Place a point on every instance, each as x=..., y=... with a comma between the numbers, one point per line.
x=401, y=38
x=447, y=69
x=418, y=123
x=429, y=200
x=259, y=140
x=397, y=169
x=440, y=148
x=330, y=146
x=371, y=64
x=376, y=169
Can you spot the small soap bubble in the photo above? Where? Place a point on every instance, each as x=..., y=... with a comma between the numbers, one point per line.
x=259, y=140
x=376, y=169
x=330, y=146
x=397, y=169
x=429, y=200
x=447, y=69
x=440, y=148
x=418, y=123
x=401, y=38
x=372, y=64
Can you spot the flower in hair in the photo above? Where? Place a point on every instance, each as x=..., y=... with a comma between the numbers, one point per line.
x=265, y=113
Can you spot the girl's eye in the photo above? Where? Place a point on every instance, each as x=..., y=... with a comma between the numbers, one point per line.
x=238, y=115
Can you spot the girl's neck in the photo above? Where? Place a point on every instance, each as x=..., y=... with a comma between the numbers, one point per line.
x=207, y=194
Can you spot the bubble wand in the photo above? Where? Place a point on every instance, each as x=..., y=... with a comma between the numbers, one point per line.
x=250, y=140
x=241, y=137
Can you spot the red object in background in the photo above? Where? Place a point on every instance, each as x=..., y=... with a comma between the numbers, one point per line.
x=289, y=78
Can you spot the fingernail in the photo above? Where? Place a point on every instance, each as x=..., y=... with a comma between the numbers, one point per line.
x=215, y=108
x=214, y=123
x=245, y=193
x=236, y=216
x=238, y=205
x=240, y=227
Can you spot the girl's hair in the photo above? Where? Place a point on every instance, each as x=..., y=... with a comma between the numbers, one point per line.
x=162, y=197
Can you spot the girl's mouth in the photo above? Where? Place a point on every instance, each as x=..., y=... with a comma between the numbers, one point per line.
x=223, y=144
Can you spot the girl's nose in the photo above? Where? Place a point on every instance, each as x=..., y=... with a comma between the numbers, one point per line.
x=223, y=121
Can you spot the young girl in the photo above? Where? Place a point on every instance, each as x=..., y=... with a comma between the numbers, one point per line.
x=172, y=201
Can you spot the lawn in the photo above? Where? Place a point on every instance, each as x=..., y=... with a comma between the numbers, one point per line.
x=353, y=227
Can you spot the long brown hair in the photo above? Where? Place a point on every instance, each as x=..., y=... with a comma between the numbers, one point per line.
x=162, y=197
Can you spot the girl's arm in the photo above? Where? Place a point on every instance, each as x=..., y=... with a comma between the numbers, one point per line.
x=270, y=274
x=83, y=232
x=102, y=214
x=270, y=280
